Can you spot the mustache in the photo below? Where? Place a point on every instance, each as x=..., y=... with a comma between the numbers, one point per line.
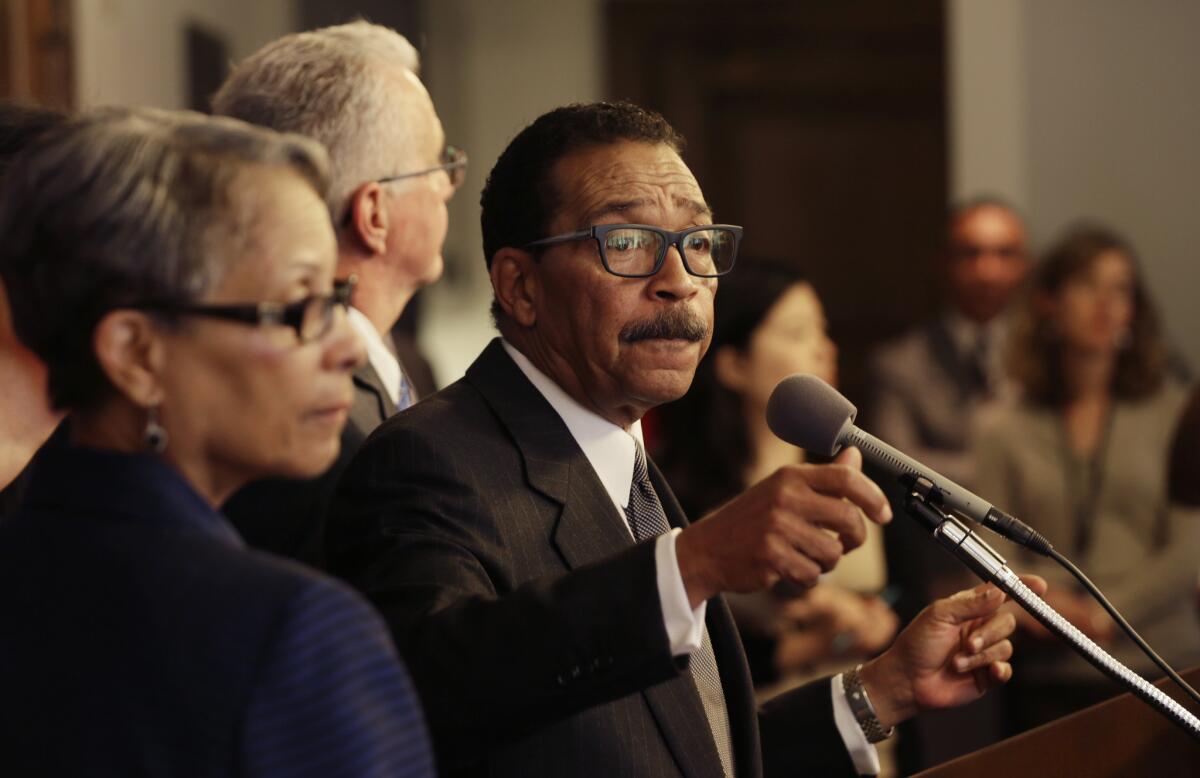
x=679, y=323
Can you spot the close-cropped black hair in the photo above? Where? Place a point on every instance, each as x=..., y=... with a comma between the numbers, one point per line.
x=705, y=447
x=519, y=200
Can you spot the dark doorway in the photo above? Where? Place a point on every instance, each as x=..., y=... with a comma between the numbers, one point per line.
x=818, y=126
x=207, y=64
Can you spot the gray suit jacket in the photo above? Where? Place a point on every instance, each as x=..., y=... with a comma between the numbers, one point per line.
x=923, y=401
x=528, y=615
x=287, y=516
x=1142, y=552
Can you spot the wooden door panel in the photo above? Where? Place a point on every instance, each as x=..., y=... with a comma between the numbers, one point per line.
x=820, y=127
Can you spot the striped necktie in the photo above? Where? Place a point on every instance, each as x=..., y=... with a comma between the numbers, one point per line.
x=648, y=520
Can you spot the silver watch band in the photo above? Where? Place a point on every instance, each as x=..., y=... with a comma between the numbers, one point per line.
x=861, y=707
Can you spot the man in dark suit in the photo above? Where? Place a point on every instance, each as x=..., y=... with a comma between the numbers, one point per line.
x=558, y=614
x=929, y=383
x=353, y=87
x=928, y=386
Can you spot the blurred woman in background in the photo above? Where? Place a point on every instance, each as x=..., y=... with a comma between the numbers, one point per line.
x=769, y=324
x=1083, y=459
x=175, y=275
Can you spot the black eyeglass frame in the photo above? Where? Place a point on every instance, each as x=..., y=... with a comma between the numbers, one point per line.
x=265, y=313
x=599, y=232
x=454, y=162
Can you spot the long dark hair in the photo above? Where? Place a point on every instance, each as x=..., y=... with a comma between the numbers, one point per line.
x=705, y=448
x=1035, y=350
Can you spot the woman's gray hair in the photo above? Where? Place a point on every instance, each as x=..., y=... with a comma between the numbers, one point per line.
x=337, y=85
x=123, y=206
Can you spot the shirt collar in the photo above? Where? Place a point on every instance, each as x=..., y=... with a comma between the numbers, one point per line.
x=384, y=362
x=609, y=449
x=966, y=334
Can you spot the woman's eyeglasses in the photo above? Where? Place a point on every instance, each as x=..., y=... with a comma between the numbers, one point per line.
x=311, y=318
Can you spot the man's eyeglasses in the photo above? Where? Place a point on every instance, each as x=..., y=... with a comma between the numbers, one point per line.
x=311, y=318
x=453, y=161
x=639, y=250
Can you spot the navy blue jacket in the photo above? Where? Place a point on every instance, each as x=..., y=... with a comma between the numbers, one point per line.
x=138, y=636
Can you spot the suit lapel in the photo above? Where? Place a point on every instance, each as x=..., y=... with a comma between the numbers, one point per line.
x=372, y=404
x=589, y=529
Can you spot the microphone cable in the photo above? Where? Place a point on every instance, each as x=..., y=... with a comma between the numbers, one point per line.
x=1123, y=624
x=1016, y=531
x=957, y=538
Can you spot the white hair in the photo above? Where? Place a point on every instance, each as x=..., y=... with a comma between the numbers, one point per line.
x=337, y=85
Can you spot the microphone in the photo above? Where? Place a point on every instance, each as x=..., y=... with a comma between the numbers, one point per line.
x=807, y=412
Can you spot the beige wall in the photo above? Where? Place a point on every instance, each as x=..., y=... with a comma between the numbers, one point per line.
x=1088, y=109
x=985, y=66
x=493, y=67
x=132, y=51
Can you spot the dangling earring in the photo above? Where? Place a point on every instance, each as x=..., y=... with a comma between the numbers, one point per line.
x=155, y=434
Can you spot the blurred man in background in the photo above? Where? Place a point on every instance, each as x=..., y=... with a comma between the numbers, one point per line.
x=928, y=387
x=930, y=381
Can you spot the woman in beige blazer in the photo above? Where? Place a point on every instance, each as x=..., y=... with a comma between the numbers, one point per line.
x=1082, y=458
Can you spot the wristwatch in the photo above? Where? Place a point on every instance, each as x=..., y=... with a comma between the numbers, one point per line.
x=861, y=707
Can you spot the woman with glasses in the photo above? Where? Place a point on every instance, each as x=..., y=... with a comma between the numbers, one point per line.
x=1082, y=458
x=769, y=325
x=175, y=274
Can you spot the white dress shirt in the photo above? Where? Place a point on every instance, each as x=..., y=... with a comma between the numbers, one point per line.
x=384, y=362
x=611, y=450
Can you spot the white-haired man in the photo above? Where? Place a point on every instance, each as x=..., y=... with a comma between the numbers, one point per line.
x=353, y=87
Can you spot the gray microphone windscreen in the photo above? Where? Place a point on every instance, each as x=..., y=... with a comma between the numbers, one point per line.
x=809, y=413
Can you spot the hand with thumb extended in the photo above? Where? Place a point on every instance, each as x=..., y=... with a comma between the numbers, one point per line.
x=849, y=456
x=952, y=652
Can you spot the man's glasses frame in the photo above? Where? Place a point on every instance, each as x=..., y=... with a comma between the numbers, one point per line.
x=300, y=315
x=599, y=233
x=453, y=161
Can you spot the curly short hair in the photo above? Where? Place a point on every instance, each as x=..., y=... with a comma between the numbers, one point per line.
x=121, y=206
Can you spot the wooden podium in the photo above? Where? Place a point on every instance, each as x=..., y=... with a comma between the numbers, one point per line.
x=1119, y=737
